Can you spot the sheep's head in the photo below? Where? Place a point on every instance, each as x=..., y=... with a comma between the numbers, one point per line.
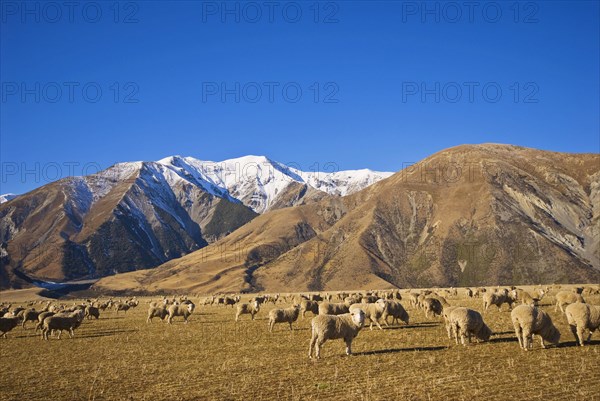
x=358, y=317
x=553, y=335
x=485, y=333
x=382, y=304
x=190, y=307
x=256, y=305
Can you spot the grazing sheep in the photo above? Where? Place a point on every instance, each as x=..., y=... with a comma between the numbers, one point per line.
x=8, y=323
x=564, y=298
x=469, y=292
x=582, y=317
x=466, y=322
x=288, y=315
x=92, y=311
x=185, y=310
x=252, y=308
x=396, y=311
x=529, y=320
x=329, y=327
x=525, y=298
x=309, y=306
x=159, y=311
x=498, y=298
x=373, y=311
x=327, y=308
x=433, y=305
x=446, y=315
x=61, y=322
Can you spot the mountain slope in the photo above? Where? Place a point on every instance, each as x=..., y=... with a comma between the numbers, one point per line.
x=130, y=216
x=469, y=215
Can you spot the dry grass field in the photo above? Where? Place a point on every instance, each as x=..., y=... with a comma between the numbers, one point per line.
x=121, y=357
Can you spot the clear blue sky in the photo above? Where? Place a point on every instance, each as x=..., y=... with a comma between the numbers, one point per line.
x=371, y=58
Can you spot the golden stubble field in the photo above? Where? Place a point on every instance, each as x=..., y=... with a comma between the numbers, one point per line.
x=121, y=357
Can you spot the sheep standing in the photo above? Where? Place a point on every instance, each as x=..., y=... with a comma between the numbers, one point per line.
x=529, y=320
x=8, y=323
x=29, y=315
x=309, y=306
x=288, y=315
x=582, y=317
x=61, y=322
x=564, y=298
x=327, y=308
x=330, y=327
x=252, y=309
x=373, y=311
x=159, y=311
x=185, y=310
x=466, y=322
x=396, y=311
x=432, y=305
x=498, y=298
x=92, y=311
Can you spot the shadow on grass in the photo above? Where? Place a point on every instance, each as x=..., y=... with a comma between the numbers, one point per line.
x=104, y=333
x=412, y=326
x=569, y=344
x=396, y=350
x=504, y=340
x=500, y=333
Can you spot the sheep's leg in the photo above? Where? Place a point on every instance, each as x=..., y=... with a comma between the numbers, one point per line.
x=237, y=316
x=291, y=329
x=580, y=333
x=313, y=340
x=71, y=333
x=377, y=323
x=575, y=334
x=271, y=324
x=519, y=333
x=318, y=346
x=348, y=346
x=542, y=342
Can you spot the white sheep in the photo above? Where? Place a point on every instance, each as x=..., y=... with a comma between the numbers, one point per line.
x=330, y=327
x=252, y=309
x=309, y=306
x=327, y=308
x=529, y=320
x=564, y=298
x=373, y=311
x=582, y=317
x=432, y=305
x=498, y=298
x=466, y=322
x=61, y=322
x=8, y=323
x=157, y=310
x=185, y=310
x=396, y=311
x=288, y=315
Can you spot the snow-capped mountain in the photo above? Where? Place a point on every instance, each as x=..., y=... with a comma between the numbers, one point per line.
x=7, y=197
x=261, y=183
x=137, y=215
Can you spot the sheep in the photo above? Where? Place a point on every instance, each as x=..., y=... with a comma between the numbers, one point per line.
x=309, y=306
x=252, y=308
x=330, y=327
x=413, y=299
x=60, y=323
x=466, y=322
x=8, y=323
x=582, y=317
x=327, y=308
x=446, y=315
x=352, y=299
x=373, y=311
x=564, y=298
x=184, y=310
x=92, y=311
x=529, y=320
x=288, y=315
x=498, y=298
x=159, y=311
x=122, y=307
x=469, y=292
x=28, y=315
x=41, y=318
x=526, y=298
x=396, y=311
x=433, y=305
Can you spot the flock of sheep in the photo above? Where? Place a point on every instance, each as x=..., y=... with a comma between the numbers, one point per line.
x=343, y=315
